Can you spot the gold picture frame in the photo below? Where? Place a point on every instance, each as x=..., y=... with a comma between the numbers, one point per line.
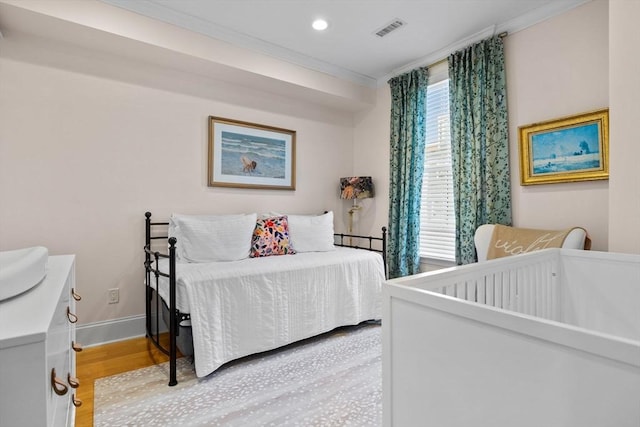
x=249, y=155
x=568, y=149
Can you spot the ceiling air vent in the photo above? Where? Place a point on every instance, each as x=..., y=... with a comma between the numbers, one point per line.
x=390, y=27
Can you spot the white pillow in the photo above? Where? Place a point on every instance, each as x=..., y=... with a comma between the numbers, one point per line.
x=207, y=238
x=174, y=229
x=311, y=233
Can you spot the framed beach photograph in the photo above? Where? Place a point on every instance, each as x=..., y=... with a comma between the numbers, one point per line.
x=248, y=155
x=569, y=149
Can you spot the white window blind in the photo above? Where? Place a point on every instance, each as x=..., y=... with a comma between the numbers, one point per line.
x=437, y=217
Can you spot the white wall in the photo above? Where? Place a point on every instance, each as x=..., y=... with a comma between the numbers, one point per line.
x=371, y=157
x=624, y=92
x=83, y=157
x=559, y=68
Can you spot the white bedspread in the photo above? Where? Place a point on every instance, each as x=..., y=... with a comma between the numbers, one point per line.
x=257, y=304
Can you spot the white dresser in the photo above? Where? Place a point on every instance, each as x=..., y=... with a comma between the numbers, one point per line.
x=37, y=361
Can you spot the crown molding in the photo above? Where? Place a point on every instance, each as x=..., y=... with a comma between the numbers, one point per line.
x=164, y=13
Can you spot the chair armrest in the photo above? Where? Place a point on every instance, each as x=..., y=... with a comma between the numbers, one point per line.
x=482, y=238
x=575, y=239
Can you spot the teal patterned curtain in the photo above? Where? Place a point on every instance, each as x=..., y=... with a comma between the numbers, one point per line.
x=408, y=110
x=479, y=141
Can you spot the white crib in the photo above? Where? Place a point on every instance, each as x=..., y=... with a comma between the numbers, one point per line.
x=545, y=339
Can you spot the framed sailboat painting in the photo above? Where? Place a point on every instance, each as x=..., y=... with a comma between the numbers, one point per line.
x=569, y=149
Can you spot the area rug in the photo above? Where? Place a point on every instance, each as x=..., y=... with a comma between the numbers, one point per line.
x=331, y=380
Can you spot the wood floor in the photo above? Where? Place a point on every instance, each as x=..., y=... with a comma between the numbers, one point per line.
x=110, y=359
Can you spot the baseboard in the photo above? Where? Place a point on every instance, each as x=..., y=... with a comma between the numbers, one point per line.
x=107, y=331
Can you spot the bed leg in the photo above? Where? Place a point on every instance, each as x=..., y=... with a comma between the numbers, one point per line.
x=147, y=273
x=384, y=251
x=173, y=362
x=172, y=313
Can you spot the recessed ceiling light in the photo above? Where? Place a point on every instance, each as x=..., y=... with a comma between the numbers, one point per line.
x=320, y=25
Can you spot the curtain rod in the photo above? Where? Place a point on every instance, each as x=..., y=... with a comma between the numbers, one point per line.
x=445, y=59
x=446, y=52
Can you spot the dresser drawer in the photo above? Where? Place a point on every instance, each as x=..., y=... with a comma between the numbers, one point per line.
x=36, y=339
x=59, y=354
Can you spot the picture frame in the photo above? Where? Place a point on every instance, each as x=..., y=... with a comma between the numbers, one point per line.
x=569, y=149
x=249, y=155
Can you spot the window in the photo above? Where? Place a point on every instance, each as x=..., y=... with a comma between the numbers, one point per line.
x=437, y=216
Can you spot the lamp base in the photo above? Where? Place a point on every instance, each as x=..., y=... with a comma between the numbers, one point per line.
x=355, y=208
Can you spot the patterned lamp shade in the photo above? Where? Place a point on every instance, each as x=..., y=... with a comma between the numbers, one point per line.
x=356, y=187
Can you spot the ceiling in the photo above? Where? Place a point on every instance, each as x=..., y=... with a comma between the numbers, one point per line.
x=349, y=48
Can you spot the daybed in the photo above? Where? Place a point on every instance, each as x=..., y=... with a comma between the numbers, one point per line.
x=548, y=338
x=235, y=305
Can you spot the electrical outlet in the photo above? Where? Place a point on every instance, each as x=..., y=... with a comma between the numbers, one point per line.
x=114, y=295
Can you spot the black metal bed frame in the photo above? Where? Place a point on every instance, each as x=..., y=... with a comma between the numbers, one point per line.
x=152, y=272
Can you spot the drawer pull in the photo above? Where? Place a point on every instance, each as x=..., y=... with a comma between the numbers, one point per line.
x=76, y=347
x=76, y=402
x=76, y=296
x=58, y=386
x=73, y=382
x=72, y=317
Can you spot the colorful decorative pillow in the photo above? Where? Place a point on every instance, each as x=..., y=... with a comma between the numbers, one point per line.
x=271, y=237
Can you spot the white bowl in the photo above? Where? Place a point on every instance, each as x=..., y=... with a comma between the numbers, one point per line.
x=21, y=270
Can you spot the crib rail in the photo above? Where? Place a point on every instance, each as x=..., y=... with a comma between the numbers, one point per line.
x=527, y=287
x=442, y=337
